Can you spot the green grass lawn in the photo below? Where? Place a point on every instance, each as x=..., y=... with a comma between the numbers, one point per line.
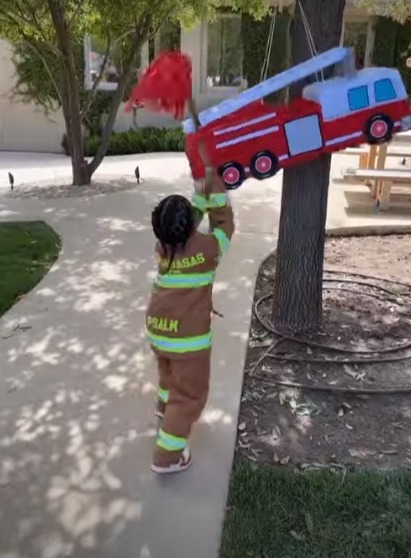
x=27, y=251
x=278, y=513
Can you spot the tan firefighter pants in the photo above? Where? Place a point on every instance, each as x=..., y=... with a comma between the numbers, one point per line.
x=183, y=390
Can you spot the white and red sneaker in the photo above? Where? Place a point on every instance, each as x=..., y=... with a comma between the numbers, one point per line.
x=182, y=465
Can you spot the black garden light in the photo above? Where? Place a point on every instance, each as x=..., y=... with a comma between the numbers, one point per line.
x=137, y=174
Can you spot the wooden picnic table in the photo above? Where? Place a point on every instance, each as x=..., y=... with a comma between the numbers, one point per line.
x=375, y=156
x=372, y=161
x=402, y=137
x=384, y=180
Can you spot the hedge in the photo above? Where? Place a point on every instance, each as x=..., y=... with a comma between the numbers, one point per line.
x=141, y=140
x=391, y=47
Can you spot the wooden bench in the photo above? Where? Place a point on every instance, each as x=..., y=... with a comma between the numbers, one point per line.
x=402, y=137
x=384, y=180
x=362, y=152
x=374, y=156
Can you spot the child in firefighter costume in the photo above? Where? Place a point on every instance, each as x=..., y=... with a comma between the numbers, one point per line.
x=179, y=314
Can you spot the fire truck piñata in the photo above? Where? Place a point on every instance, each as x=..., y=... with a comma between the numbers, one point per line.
x=248, y=137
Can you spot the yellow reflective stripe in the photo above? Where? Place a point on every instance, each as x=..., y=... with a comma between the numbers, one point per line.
x=214, y=201
x=222, y=238
x=180, y=344
x=185, y=281
x=169, y=442
x=163, y=395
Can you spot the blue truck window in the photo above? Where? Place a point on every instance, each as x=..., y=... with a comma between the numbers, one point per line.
x=358, y=98
x=384, y=91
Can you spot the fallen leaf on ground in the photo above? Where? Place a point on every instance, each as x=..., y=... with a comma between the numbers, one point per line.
x=285, y=461
x=297, y=536
x=283, y=398
x=360, y=453
x=398, y=425
x=310, y=523
x=308, y=409
x=350, y=372
x=276, y=432
x=354, y=453
x=242, y=426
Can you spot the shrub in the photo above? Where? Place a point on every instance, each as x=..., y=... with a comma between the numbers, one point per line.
x=142, y=140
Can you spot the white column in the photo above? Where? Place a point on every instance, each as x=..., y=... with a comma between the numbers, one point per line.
x=191, y=44
x=144, y=57
x=369, y=50
x=88, y=84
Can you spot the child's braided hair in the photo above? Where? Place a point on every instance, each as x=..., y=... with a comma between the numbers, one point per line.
x=173, y=223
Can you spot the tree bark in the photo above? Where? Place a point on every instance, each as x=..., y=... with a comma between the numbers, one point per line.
x=297, y=304
x=70, y=94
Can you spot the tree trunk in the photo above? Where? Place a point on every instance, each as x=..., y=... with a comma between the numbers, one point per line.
x=70, y=94
x=297, y=304
x=75, y=143
x=131, y=69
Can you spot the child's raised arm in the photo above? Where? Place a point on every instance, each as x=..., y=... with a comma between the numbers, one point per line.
x=219, y=210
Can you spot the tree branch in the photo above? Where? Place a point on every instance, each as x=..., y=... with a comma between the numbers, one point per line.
x=97, y=82
x=34, y=20
x=46, y=67
x=22, y=15
x=165, y=17
x=142, y=33
x=13, y=19
x=117, y=99
x=76, y=11
x=28, y=42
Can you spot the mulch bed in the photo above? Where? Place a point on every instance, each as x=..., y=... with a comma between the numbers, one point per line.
x=49, y=190
x=315, y=429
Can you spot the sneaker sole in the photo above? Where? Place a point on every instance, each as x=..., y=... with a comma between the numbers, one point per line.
x=172, y=470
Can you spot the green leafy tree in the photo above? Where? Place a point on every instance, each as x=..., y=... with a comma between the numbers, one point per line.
x=399, y=10
x=48, y=35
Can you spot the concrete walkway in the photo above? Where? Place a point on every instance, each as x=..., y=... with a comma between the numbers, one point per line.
x=77, y=387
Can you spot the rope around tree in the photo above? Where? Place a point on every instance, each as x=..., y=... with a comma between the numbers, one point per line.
x=359, y=356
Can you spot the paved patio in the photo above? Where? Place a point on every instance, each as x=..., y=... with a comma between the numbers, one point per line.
x=77, y=386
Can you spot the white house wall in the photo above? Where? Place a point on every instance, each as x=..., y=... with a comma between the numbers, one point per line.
x=22, y=126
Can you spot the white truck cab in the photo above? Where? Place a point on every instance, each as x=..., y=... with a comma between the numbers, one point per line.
x=368, y=88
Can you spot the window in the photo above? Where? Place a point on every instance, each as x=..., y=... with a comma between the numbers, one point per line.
x=359, y=35
x=358, y=98
x=168, y=38
x=95, y=53
x=384, y=91
x=225, y=52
